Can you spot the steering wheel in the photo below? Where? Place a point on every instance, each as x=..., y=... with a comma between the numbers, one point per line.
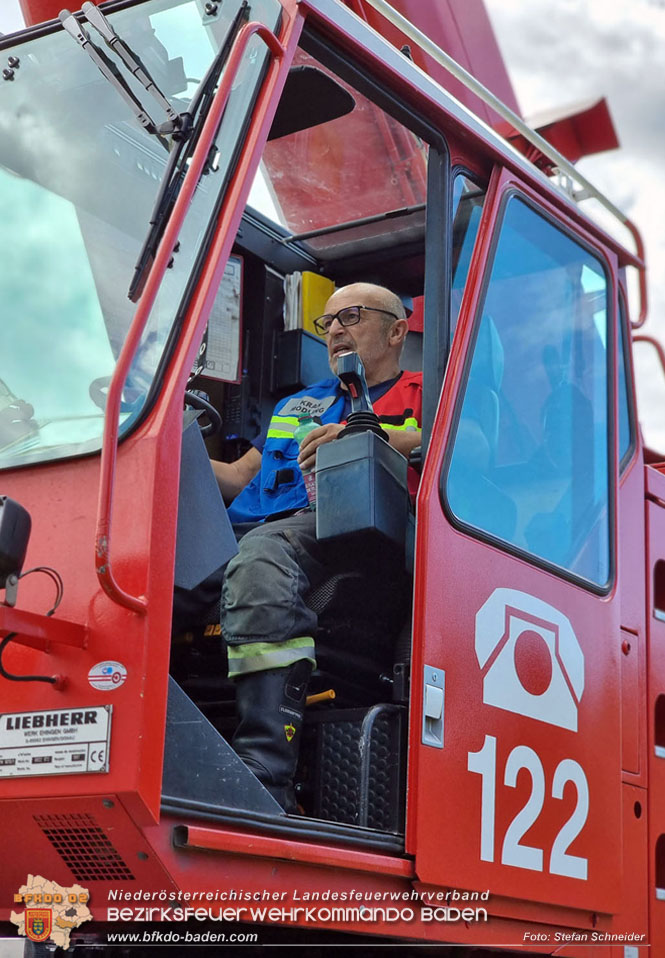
x=198, y=402
x=98, y=390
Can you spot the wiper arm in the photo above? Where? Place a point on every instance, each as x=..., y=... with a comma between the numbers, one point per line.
x=176, y=166
x=109, y=70
x=133, y=63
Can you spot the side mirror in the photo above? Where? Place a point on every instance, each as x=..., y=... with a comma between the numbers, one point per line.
x=15, y=525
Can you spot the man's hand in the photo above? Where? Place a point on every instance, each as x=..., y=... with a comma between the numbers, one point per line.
x=403, y=442
x=314, y=439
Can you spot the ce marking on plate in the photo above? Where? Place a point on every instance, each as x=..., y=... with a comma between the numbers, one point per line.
x=97, y=757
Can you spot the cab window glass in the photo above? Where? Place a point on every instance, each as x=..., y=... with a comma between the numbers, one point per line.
x=468, y=199
x=331, y=174
x=625, y=428
x=530, y=457
x=79, y=180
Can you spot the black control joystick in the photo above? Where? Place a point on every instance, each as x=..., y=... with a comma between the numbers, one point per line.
x=361, y=482
x=351, y=372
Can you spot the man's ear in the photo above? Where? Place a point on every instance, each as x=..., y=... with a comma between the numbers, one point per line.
x=398, y=332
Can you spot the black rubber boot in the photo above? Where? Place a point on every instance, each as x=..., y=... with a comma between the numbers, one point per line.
x=270, y=706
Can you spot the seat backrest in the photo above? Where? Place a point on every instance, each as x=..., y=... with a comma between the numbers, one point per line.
x=359, y=624
x=412, y=352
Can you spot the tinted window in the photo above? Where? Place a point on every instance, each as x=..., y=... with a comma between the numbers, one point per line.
x=530, y=456
x=467, y=206
x=625, y=430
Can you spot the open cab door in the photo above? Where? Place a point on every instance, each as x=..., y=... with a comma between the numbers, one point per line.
x=515, y=735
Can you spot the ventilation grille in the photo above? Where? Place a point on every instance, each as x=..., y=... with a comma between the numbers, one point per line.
x=84, y=847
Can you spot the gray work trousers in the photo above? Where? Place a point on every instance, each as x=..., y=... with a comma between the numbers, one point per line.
x=264, y=587
x=263, y=595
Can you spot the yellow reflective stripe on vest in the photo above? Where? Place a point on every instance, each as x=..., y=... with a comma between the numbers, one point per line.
x=408, y=425
x=282, y=427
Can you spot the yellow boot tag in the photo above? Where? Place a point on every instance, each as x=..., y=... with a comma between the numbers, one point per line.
x=289, y=731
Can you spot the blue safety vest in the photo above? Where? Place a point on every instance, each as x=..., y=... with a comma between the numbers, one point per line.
x=279, y=485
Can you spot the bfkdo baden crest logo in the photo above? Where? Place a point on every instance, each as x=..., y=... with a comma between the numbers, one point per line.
x=52, y=911
x=38, y=923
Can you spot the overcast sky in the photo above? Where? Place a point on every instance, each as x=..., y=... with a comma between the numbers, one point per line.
x=570, y=51
x=573, y=50
x=10, y=16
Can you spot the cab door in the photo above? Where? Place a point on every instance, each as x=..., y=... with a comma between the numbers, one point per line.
x=515, y=738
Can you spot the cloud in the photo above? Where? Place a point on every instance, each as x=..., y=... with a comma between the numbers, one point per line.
x=578, y=49
x=11, y=18
x=562, y=53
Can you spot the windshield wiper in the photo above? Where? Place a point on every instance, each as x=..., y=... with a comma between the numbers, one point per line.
x=109, y=70
x=192, y=121
x=133, y=63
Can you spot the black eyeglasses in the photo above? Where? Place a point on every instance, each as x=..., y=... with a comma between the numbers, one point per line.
x=348, y=316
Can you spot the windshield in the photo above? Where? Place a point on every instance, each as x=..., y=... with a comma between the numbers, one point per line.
x=79, y=176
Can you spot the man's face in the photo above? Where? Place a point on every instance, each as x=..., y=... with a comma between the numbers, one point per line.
x=368, y=338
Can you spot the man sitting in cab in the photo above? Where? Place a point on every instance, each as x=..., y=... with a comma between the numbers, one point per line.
x=266, y=623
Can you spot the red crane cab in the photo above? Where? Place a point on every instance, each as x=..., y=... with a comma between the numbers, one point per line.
x=489, y=773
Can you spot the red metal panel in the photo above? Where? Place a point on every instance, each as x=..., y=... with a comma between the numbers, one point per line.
x=574, y=132
x=655, y=513
x=91, y=840
x=455, y=576
x=632, y=921
x=352, y=879
x=449, y=796
x=634, y=914
x=62, y=500
x=265, y=846
x=655, y=483
x=632, y=593
x=37, y=11
x=631, y=702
